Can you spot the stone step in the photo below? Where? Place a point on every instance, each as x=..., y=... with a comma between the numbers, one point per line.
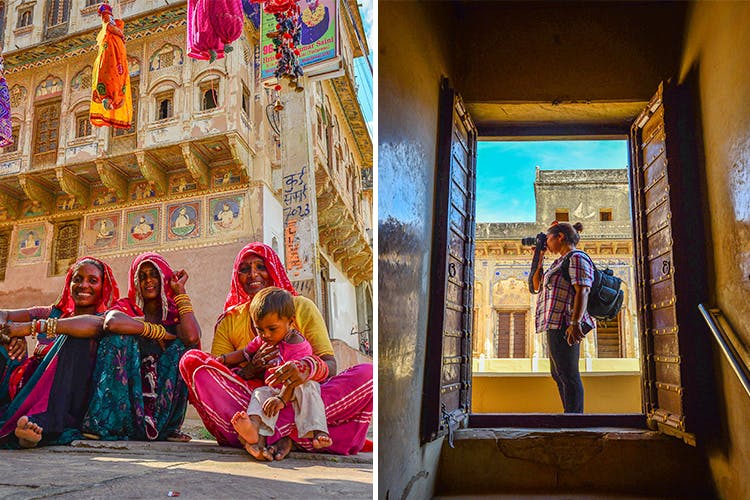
x=614, y=462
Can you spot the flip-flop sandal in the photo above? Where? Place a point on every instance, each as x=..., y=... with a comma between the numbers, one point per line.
x=179, y=437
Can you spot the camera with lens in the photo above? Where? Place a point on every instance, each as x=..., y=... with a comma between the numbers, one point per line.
x=539, y=242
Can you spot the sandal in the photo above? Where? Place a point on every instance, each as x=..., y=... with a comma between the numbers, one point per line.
x=179, y=437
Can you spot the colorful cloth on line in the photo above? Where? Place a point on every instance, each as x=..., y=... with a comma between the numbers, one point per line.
x=6, y=125
x=217, y=393
x=211, y=26
x=554, y=304
x=111, y=98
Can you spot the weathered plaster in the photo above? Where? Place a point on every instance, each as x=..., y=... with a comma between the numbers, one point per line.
x=714, y=33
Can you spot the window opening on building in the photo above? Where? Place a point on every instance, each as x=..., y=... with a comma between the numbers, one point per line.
x=4, y=249
x=522, y=187
x=47, y=118
x=25, y=18
x=65, y=246
x=83, y=125
x=165, y=105
x=13, y=147
x=561, y=215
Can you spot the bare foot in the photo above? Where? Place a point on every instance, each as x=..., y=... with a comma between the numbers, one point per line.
x=321, y=440
x=28, y=433
x=245, y=427
x=281, y=448
x=259, y=453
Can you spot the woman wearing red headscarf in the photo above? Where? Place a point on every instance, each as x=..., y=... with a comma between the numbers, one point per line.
x=218, y=392
x=138, y=393
x=50, y=390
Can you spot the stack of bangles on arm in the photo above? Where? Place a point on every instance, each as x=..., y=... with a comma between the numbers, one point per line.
x=312, y=368
x=153, y=332
x=46, y=326
x=4, y=337
x=183, y=304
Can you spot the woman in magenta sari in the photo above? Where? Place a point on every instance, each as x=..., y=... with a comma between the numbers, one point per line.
x=51, y=389
x=218, y=392
x=138, y=392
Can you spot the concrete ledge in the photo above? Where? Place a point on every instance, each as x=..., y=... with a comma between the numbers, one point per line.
x=194, y=447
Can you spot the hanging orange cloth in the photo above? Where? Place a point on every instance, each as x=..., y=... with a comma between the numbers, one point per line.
x=111, y=99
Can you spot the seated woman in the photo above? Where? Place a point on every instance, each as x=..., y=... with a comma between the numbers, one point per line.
x=138, y=392
x=218, y=392
x=50, y=390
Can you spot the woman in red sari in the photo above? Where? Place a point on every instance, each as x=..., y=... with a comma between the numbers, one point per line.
x=50, y=390
x=218, y=392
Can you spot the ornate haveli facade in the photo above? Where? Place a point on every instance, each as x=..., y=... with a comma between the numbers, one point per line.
x=503, y=306
x=208, y=165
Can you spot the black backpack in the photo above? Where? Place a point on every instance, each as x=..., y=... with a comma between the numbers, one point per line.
x=605, y=296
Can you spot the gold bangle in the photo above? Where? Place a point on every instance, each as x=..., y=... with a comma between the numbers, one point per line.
x=152, y=331
x=51, y=328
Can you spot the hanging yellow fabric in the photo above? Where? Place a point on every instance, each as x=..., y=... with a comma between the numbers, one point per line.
x=111, y=98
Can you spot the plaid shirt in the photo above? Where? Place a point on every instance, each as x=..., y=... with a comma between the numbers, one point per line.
x=554, y=304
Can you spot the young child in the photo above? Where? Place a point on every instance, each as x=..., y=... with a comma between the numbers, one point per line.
x=272, y=313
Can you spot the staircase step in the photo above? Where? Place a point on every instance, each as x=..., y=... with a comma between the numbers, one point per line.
x=571, y=463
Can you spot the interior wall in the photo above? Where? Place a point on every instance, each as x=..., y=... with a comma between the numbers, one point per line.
x=715, y=31
x=413, y=54
x=565, y=51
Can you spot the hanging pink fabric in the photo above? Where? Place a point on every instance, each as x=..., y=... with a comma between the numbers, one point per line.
x=211, y=26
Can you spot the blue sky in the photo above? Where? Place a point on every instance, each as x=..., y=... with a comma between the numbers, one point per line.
x=362, y=71
x=506, y=171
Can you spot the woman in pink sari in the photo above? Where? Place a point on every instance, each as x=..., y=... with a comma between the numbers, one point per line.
x=218, y=392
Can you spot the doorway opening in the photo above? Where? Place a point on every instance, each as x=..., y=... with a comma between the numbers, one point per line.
x=522, y=187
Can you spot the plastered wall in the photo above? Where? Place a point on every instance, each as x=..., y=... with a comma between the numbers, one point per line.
x=413, y=57
x=715, y=31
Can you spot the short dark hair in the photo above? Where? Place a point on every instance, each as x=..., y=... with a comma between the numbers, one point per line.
x=570, y=231
x=271, y=300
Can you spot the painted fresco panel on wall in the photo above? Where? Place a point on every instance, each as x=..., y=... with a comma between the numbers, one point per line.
x=102, y=195
x=182, y=182
x=66, y=202
x=102, y=232
x=183, y=220
x=142, y=226
x=222, y=177
x=30, y=243
x=31, y=208
x=226, y=214
x=142, y=190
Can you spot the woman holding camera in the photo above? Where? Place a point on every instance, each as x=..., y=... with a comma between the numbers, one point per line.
x=561, y=309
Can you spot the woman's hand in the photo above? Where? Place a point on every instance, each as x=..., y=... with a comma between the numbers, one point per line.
x=177, y=281
x=17, y=348
x=288, y=375
x=574, y=334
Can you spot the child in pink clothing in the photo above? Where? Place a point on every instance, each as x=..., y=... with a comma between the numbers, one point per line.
x=272, y=313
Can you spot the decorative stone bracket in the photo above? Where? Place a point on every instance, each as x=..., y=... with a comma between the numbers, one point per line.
x=195, y=165
x=35, y=191
x=73, y=185
x=152, y=172
x=112, y=179
x=10, y=204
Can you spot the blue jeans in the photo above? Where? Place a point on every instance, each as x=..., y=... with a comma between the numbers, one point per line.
x=563, y=361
